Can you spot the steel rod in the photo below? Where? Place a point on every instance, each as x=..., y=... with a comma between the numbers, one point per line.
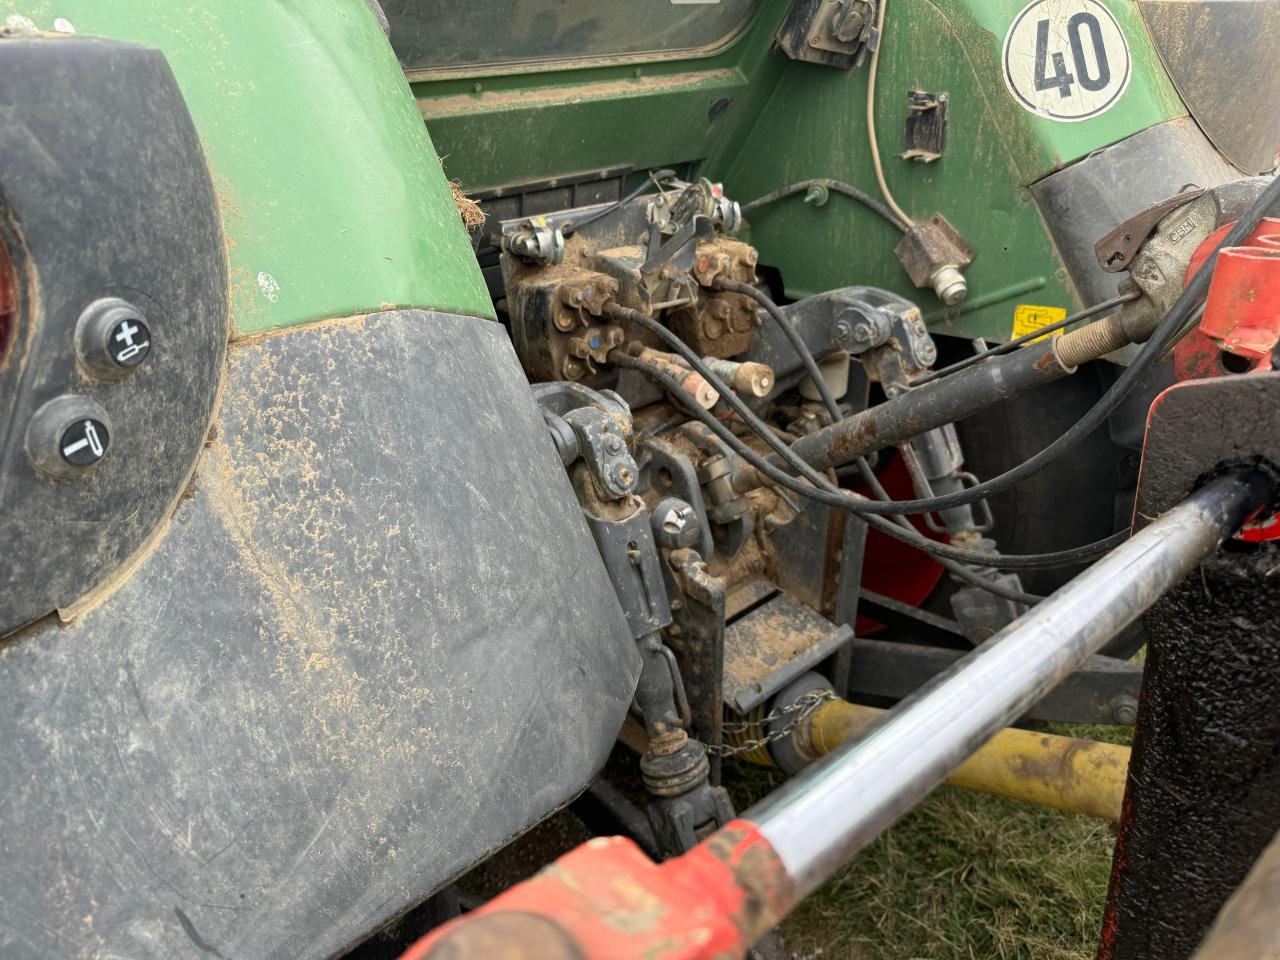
x=934, y=404
x=818, y=821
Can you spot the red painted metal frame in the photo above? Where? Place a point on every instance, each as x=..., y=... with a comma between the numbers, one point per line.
x=1241, y=320
x=1242, y=311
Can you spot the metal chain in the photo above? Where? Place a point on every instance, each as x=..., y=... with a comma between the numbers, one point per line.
x=800, y=709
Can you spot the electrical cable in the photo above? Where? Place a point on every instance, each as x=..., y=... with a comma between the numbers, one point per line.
x=568, y=229
x=750, y=419
x=835, y=186
x=822, y=491
x=871, y=119
x=1163, y=335
x=1088, y=313
x=833, y=409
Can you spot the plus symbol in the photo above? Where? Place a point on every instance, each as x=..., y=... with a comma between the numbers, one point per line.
x=125, y=333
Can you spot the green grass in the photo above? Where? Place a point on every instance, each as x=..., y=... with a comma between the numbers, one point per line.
x=964, y=875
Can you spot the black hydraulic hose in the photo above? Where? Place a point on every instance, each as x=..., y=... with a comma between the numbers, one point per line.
x=568, y=229
x=958, y=569
x=836, y=186
x=792, y=335
x=868, y=510
x=833, y=408
x=1088, y=313
x=824, y=493
x=1169, y=329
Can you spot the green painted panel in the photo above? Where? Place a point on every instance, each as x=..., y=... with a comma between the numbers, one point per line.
x=975, y=31
x=333, y=201
x=994, y=147
x=495, y=130
x=783, y=121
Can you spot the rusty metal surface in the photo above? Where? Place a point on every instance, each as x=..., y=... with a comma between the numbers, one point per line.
x=721, y=324
x=931, y=244
x=933, y=404
x=773, y=644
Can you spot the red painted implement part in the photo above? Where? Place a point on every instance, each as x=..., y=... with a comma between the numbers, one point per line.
x=1240, y=329
x=1241, y=323
x=607, y=900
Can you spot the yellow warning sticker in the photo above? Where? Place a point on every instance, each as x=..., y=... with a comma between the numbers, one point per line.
x=1028, y=319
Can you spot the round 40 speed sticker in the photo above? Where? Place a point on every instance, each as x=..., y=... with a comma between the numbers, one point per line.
x=1066, y=59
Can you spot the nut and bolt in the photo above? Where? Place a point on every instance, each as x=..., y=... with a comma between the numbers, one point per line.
x=817, y=195
x=1124, y=709
x=622, y=479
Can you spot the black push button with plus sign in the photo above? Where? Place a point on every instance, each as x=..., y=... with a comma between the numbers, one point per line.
x=84, y=443
x=129, y=342
x=112, y=338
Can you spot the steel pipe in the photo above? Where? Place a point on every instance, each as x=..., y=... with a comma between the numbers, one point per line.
x=835, y=808
x=934, y=404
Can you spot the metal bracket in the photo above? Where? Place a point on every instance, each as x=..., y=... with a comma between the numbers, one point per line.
x=1116, y=249
x=1198, y=426
x=679, y=251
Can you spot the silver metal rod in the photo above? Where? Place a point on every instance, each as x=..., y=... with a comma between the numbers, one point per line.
x=818, y=821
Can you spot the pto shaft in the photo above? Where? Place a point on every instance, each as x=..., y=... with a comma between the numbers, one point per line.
x=818, y=821
x=1066, y=773
x=606, y=899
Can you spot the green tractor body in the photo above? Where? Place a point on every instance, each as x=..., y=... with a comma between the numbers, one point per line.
x=322, y=626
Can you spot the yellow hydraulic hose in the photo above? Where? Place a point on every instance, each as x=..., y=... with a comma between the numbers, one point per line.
x=1082, y=776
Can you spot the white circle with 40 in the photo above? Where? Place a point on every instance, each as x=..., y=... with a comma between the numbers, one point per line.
x=1066, y=60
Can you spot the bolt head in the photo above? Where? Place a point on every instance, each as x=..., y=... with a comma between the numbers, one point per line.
x=1124, y=709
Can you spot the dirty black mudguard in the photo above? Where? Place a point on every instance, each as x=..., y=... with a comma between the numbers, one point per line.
x=375, y=643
